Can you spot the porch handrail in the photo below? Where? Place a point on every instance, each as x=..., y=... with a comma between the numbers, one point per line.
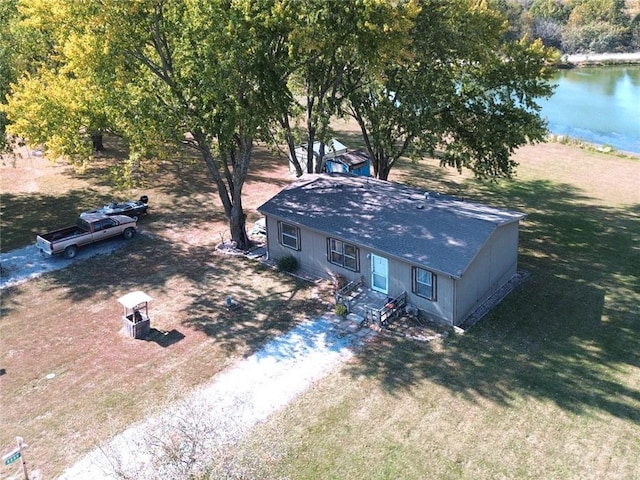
x=348, y=288
x=382, y=315
x=343, y=295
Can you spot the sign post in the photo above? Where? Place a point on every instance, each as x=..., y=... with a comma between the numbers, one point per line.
x=16, y=454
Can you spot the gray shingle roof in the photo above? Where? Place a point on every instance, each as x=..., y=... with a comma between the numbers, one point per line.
x=438, y=232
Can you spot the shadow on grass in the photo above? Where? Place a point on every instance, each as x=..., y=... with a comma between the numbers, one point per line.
x=164, y=339
x=25, y=216
x=268, y=309
x=568, y=335
x=197, y=280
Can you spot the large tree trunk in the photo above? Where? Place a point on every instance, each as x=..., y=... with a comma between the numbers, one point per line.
x=238, y=227
x=96, y=139
x=311, y=134
x=320, y=163
x=284, y=122
x=292, y=155
x=383, y=170
x=310, y=153
x=229, y=173
x=237, y=217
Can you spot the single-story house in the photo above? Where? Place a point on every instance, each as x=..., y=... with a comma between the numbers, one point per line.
x=448, y=255
x=331, y=149
x=356, y=162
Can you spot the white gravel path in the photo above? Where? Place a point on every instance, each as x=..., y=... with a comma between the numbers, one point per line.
x=227, y=408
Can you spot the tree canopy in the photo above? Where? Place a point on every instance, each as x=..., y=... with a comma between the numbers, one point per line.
x=457, y=91
x=419, y=76
x=158, y=72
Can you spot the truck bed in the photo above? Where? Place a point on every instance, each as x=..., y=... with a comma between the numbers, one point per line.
x=70, y=231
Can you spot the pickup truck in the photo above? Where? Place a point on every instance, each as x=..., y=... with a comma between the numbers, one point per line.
x=90, y=228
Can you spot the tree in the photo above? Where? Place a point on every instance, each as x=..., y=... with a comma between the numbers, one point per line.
x=207, y=75
x=592, y=11
x=597, y=26
x=321, y=47
x=331, y=46
x=8, y=12
x=20, y=53
x=549, y=17
x=550, y=10
x=49, y=104
x=594, y=37
x=460, y=92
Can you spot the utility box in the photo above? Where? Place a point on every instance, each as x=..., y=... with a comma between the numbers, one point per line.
x=135, y=319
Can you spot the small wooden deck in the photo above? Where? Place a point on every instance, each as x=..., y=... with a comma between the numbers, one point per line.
x=371, y=306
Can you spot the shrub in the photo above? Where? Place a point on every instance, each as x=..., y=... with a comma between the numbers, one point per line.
x=288, y=263
x=341, y=309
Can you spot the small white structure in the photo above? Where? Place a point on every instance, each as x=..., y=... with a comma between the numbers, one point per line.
x=135, y=319
x=332, y=149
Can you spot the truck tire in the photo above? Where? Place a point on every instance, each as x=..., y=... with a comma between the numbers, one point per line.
x=70, y=251
x=128, y=233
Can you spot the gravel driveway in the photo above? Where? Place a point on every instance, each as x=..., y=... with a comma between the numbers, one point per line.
x=23, y=264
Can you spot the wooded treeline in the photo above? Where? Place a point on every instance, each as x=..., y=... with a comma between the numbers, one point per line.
x=576, y=26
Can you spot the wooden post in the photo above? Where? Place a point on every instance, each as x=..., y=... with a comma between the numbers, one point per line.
x=19, y=441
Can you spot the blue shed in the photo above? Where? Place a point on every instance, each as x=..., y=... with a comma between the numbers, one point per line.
x=356, y=162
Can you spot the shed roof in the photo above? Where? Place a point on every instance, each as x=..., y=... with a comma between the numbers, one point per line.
x=436, y=231
x=331, y=148
x=351, y=159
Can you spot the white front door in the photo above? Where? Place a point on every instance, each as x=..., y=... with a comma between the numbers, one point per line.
x=379, y=274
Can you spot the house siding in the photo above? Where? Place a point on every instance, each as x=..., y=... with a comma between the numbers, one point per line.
x=440, y=310
x=312, y=258
x=494, y=265
x=455, y=298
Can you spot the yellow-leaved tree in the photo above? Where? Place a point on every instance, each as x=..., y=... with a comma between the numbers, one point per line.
x=206, y=75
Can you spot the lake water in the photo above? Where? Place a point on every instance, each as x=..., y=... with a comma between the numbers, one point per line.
x=599, y=105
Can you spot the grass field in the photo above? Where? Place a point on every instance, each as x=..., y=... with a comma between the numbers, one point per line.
x=546, y=386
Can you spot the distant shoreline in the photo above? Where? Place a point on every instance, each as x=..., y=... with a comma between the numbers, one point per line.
x=595, y=59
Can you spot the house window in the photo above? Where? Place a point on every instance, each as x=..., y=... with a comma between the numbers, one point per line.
x=424, y=283
x=343, y=254
x=289, y=235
